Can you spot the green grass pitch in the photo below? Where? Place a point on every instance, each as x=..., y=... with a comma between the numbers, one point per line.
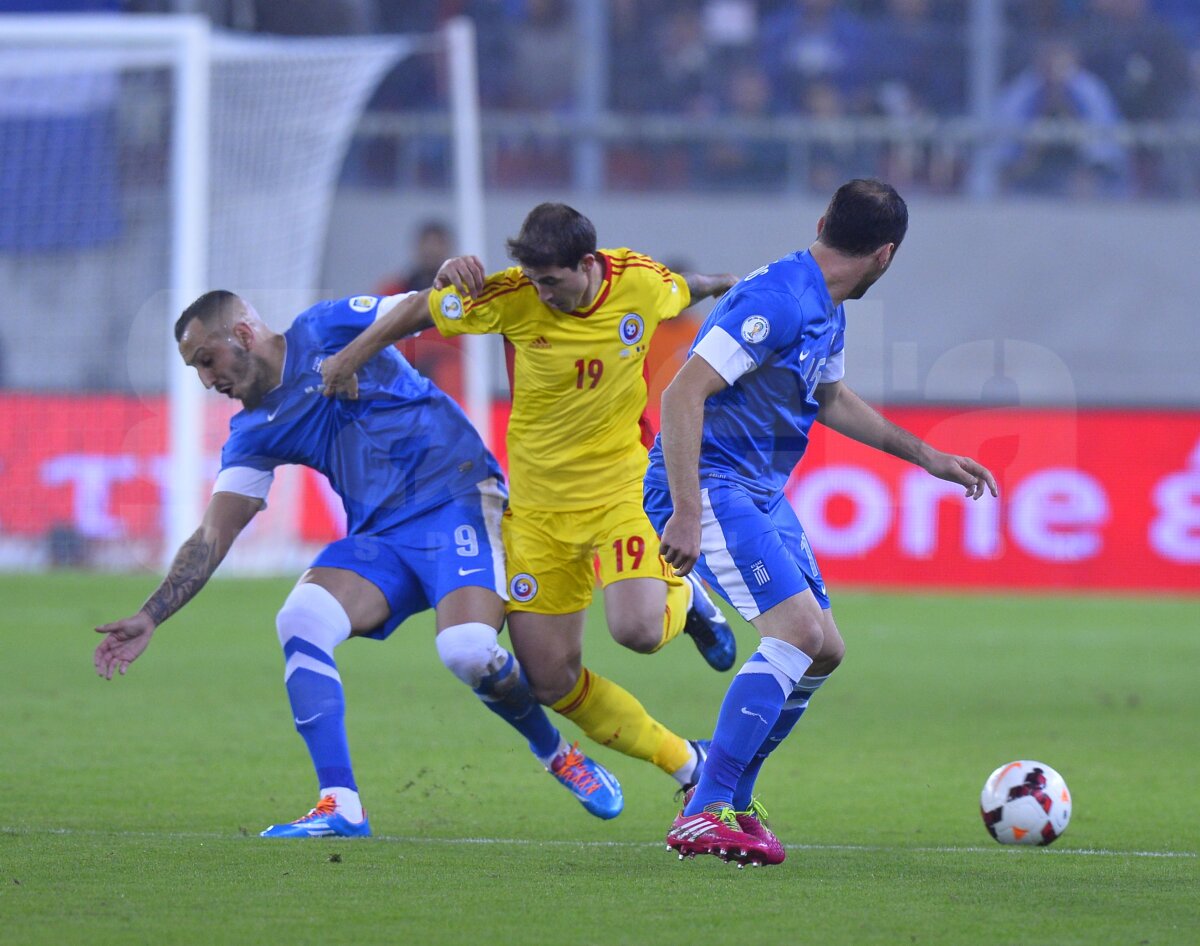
x=132, y=807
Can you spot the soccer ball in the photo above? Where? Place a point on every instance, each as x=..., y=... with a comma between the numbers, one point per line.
x=1025, y=802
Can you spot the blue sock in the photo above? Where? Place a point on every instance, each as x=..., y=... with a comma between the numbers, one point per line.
x=793, y=708
x=311, y=624
x=512, y=700
x=749, y=712
x=319, y=712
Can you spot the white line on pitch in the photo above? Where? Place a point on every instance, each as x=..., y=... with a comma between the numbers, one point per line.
x=562, y=842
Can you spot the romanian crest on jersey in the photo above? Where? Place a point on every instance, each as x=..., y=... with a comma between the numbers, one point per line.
x=451, y=306
x=755, y=329
x=632, y=328
x=523, y=587
x=363, y=303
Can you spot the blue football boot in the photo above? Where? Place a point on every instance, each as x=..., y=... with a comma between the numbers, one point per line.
x=707, y=626
x=322, y=822
x=700, y=747
x=592, y=784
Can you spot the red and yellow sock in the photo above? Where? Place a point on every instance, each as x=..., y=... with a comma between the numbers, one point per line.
x=613, y=717
x=679, y=599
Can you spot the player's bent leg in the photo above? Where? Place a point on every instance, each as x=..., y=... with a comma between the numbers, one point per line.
x=756, y=697
x=472, y=652
x=311, y=623
x=823, y=665
x=635, y=609
x=613, y=717
x=550, y=648
x=554, y=643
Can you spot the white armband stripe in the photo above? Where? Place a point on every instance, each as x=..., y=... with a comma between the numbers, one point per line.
x=387, y=303
x=834, y=368
x=245, y=481
x=728, y=359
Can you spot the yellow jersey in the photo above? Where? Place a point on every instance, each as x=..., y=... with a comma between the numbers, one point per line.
x=578, y=432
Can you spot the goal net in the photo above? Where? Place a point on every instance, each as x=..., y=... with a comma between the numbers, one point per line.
x=144, y=160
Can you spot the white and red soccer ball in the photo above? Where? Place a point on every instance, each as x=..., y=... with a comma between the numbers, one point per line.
x=1025, y=802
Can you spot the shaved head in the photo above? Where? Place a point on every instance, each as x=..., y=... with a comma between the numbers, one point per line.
x=217, y=307
x=223, y=338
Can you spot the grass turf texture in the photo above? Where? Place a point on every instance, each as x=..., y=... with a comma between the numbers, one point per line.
x=133, y=806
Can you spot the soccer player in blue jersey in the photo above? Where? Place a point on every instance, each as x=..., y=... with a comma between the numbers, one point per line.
x=423, y=500
x=768, y=362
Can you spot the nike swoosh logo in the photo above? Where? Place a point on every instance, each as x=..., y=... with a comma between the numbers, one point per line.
x=804, y=354
x=302, y=722
x=271, y=416
x=747, y=712
x=469, y=571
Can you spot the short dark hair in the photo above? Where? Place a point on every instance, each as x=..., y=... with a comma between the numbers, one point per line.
x=553, y=235
x=206, y=309
x=863, y=216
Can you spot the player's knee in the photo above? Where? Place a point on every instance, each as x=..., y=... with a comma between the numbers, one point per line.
x=809, y=636
x=829, y=659
x=643, y=637
x=312, y=614
x=550, y=690
x=471, y=652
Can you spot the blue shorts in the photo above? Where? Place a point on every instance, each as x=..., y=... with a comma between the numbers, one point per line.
x=754, y=554
x=454, y=546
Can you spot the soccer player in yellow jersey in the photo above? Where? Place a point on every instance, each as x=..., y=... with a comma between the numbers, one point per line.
x=577, y=322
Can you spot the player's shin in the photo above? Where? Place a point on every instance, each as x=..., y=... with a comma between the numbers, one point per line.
x=793, y=708
x=472, y=653
x=614, y=717
x=310, y=624
x=750, y=711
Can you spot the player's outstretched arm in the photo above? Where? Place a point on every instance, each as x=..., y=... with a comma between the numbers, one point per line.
x=407, y=317
x=716, y=285
x=682, y=427
x=844, y=411
x=196, y=560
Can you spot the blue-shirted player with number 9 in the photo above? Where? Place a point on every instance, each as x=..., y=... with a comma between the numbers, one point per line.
x=768, y=362
x=423, y=500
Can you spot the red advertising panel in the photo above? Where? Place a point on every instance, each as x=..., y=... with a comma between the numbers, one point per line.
x=1097, y=499
x=1089, y=500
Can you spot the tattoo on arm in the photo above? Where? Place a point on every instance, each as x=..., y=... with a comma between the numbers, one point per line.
x=194, y=564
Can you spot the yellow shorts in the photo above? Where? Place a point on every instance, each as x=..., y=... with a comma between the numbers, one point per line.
x=554, y=558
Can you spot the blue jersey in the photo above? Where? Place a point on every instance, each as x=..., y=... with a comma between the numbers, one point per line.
x=401, y=449
x=773, y=337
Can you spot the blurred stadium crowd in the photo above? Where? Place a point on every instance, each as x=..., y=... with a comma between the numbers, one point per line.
x=800, y=94
x=1073, y=98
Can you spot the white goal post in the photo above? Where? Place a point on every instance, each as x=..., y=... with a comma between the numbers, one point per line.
x=248, y=134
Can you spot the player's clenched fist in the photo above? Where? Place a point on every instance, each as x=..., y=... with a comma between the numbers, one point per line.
x=681, y=543
x=338, y=376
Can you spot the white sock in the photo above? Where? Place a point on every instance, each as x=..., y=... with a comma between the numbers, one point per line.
x=562, y=747
x=683, y=774
x=347, y=801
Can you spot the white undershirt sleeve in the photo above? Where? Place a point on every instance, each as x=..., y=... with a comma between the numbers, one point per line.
x=387, y=303
x=728, y=359
x=835, y=368
x=245, y=481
